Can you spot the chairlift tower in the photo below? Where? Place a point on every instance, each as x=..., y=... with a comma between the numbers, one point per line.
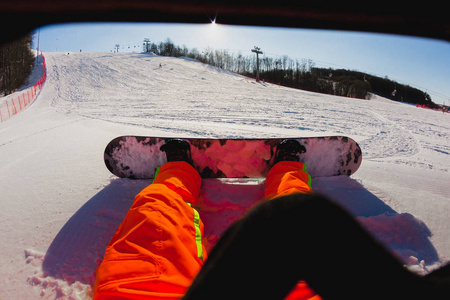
x=146, y=44
x=258, y=51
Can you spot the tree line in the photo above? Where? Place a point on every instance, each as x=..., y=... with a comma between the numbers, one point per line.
x=295, y=73
x=16, y=63
x=360, y=84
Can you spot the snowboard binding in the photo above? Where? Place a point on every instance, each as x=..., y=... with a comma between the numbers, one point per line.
x=177, y=150
x=289, y=150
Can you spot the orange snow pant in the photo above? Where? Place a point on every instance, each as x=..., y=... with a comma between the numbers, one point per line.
x=157, y=251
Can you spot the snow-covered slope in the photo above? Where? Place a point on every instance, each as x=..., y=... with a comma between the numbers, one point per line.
x=59, y=206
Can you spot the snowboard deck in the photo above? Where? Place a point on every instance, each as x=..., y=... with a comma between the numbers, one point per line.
x=137, y=157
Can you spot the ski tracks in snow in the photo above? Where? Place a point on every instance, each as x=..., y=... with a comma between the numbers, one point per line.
x=423, y=146
x=391, y=141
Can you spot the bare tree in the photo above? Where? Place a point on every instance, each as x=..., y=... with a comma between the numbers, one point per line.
x=16, y=61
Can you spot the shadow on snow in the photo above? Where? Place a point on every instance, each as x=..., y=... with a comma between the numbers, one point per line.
x=79, y=247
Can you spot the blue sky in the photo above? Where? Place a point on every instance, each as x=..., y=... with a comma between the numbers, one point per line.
x=421, y=63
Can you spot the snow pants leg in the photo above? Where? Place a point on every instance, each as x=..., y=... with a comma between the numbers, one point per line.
x=302, y=236
x=287, y=177
x=156, y=251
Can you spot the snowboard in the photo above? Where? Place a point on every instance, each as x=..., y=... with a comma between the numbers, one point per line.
x=137, y=157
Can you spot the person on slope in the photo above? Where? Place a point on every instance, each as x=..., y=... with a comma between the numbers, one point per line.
x=294, y=237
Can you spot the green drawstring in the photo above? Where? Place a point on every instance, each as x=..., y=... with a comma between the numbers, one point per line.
x=198, y=233
x=156, y=174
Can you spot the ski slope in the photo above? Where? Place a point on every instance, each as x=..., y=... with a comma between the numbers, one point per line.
x=59, y=205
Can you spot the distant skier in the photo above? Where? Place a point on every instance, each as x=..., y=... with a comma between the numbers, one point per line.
x=160, y=66
x=293, y=236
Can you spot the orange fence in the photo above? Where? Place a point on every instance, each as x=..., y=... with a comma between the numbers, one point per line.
x=14, y=106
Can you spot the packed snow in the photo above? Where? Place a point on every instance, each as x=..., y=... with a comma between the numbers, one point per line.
x=60, y=206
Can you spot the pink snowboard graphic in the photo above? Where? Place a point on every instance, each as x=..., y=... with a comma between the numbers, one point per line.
x=137, y=157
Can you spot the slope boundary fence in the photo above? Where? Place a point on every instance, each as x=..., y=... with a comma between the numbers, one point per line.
x=12, y=107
